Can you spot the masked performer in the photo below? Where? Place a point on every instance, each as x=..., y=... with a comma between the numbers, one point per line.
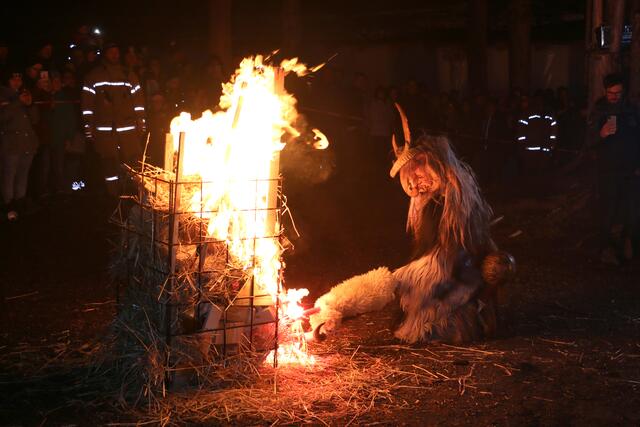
x=448, y=291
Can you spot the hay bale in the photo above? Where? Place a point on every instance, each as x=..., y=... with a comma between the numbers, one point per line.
x=156, y=302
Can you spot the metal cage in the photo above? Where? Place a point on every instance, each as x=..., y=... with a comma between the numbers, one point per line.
x=187, y=279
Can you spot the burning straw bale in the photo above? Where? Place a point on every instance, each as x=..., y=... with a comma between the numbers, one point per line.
x=200, y=250
x=236, y=387
x=174, y=292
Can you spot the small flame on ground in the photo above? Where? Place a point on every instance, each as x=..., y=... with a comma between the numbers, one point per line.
x=291, y=354
x=295, y=352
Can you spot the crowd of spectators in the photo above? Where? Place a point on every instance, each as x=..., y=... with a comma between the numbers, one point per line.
x=42, y=114
x=45, y=147
x=503, y=138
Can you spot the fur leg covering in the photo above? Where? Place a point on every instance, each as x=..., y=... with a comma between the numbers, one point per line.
x=417, y=282
x=431, y=294
x=360, y=294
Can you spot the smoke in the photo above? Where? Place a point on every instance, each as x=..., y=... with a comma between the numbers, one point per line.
x=300, y=162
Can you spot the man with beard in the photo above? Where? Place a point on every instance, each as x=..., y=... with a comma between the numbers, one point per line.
x=614, y=132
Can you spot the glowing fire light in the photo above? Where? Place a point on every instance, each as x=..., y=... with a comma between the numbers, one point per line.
x=235, y=153
x=295, y=352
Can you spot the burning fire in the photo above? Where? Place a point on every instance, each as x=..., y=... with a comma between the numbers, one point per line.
x=235, y=153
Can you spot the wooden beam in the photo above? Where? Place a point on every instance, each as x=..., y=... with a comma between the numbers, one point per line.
x=520, y=44
x=634, y=61
x=291, y=28
x=616, y=22
x=220, y=31
x=478, y=45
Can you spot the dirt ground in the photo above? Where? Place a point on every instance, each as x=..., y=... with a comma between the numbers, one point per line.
x=568, y=354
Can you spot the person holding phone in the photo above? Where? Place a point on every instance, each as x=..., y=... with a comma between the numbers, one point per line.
x=614, y=136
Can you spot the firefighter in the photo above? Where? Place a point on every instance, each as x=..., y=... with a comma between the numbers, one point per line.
x=113, y=113
x=536, y=136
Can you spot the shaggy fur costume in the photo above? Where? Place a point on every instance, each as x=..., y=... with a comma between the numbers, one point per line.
x=441, y=291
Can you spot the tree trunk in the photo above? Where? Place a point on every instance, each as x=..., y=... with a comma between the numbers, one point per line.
x=220, y=31
x=597, y=12
x=603, y=62
x=520, y=44
x=588, y=39
x=634, y=63
x=615, y=20
x=478, y=46
x=291, y=28
x=597, y=61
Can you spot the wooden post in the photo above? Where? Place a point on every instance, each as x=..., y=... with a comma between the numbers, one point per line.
x=174, y=226
x=596, y=57
x=169, y=152
x=272, y=221
x=603, y=62
x=220, y=31
x=520, y=44
x=597, y=14
x=588, y=39
x=478, y=45
x=634, y=63
x=291, y=28
x=616, y=22
x=175, y=212
x=274, y=218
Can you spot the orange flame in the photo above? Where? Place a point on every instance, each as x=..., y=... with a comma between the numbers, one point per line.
x=235, y=153
x=294, y=352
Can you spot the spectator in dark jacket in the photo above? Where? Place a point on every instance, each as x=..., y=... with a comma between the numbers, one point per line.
x=18, y=143
x=44, y=56
x=159, y=119
x=614, y=132
x=63, y=125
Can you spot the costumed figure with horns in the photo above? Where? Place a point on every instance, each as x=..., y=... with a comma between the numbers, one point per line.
x=449, y=290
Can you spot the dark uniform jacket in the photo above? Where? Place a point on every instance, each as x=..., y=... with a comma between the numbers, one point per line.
x=17, y=134
x=112, y=99
x=618, y=153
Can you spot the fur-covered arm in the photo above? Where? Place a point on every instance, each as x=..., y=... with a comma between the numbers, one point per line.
x=360, y=294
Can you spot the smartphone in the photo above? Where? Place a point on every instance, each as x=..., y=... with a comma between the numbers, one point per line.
x=613, y=120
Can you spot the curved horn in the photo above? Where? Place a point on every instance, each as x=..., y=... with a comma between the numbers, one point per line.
x=405, y=126
x=396, y=150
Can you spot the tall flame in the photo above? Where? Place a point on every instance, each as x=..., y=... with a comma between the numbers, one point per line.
x=235, y=153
